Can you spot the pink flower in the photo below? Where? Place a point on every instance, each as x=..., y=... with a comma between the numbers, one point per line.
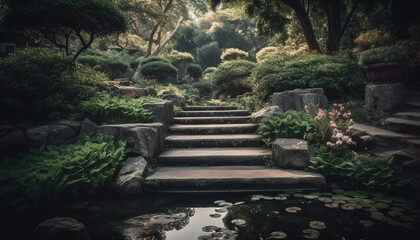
x=332, y=124
x=329, y=144
x=351, y=120
x=128, y=95
x=335, y=104
x=339, y=142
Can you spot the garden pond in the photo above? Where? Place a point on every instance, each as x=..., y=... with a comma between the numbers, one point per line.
x=270, y=215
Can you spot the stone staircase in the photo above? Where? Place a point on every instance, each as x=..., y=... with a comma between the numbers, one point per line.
x=215, y=149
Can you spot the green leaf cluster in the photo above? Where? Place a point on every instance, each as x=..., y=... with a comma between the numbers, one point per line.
x=289, y=124
x=233, y=77
x=160, y=69
x=383, y=55
x=54, y=172
x=114, y=110
x=365, y=171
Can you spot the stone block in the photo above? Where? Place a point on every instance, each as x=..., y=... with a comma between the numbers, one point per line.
x=382, y=100
x=263, y=113
x=297, y=99
x=162, y=111
x=130, y=176
x=88, y=127
x=177, y=100
x=291, y=153
x=61, y=228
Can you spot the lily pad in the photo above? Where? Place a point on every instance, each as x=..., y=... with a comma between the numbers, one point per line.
x=372, y=209
x=310, y=233
x=220, y=210
x=381, y=205
x=210, y=228
x=407, y=218
x=293, y=209
x=339, y=201
x=225, y=204
x=317, y=225
x=215, y=215
x=278, y=235
x=398, y=209
x=386, y=200
x=238, y=222
x=310, y=196
x=299, y=195
x=280, y=198
x=219, y=201
x=238, y=203
x=325, y=199
x=283, y=195
x=332, y=205
x=367, y=223
x=395, y=213
x=268, y=198
x=348, y=207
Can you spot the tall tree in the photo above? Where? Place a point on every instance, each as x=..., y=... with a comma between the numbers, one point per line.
x=63, y=21
x=271, y=16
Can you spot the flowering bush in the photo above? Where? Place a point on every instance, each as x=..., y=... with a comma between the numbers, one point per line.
x=333, y=127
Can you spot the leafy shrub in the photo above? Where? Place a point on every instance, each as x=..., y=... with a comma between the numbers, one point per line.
x=162, y=71
x=209, y=55
x=180, y=57
x=209, y=70
x=373, y=39
x=268, y=52
x=87, y=75
x=233, y=54
x=39, y=85
x=194, y=70
x=289, y=124
x=382, y=55
x=232, y=77
x=154, y=59
x=189, y=89
x=366, y=172
x=338, y=75
x=50, y=173
x=114, y=110
x=177, y=110
x=172, y=89
x=204, y=87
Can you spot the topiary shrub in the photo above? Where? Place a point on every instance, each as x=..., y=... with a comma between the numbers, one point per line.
x=160, y=69
x=233, y=54
x=209, y=70
x=268, y=52
x=382, y=55
x=209, y=55
x=194, y=70
x=339, y=76
x=232, y=77
x=181, y=60
x=37, y=84
x=205, y=88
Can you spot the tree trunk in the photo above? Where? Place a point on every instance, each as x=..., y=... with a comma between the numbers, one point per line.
x=159, y=47
x=334, y=25
x=308, y=30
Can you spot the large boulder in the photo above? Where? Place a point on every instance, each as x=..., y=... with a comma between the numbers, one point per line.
x=88, y=127
x=73, y=124
x=382, y=100
x=297, y=99
x=50, y=135
x=61, y=228
x=124, y=81
x=12, y=140
x=263, y=113
x=146, y=139
x=291, y=153
x=178, y=100
x=162, y=111
x=130, y=176
x=133, y=91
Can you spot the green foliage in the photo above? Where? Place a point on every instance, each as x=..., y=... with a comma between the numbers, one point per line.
x=189, y=89
x=204, y=87
x=209, y=70
x=38, y=85
x=269, y=162
x=172, y=89
x=366, y=172
x=209, y=55
x=268, y=52
x=233, y=54
x=253, y=103
x=382, y=55
x=114, y=64
x=232, y=77
x=154, y=59
x=373, y=39
x=177, y=110
x=289, y=124
x=114, y=110
x=180, y=57
x=162, y=71
x=194, y=70
x=88, y=75
x=339, y=76
x=50, y=173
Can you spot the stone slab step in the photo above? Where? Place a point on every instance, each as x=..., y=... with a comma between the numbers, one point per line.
x=408, y=115
x=200, y=141
x=415, y=143
x=413, y=103
x=231, y=178
x=211, y=120
x=214, y=113
x=403, y=125
x=184, y=129
x=206, y=108
x=384, y=138
x=213, y=156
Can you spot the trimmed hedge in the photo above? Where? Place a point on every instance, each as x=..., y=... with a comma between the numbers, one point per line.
x=338, y=75
x=162, y=71
x=232, y=77
x=194, y=70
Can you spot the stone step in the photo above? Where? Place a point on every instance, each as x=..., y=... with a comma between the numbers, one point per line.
x=415, y=104
x=408, y=115
x=231, y=178
x=211, y=120
x=206, y=108
x=201, y=129
x=214, y=113
x=199, y=141
x=402, y=125
x=384, y=138
x=414, y=143
x=213, y=156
